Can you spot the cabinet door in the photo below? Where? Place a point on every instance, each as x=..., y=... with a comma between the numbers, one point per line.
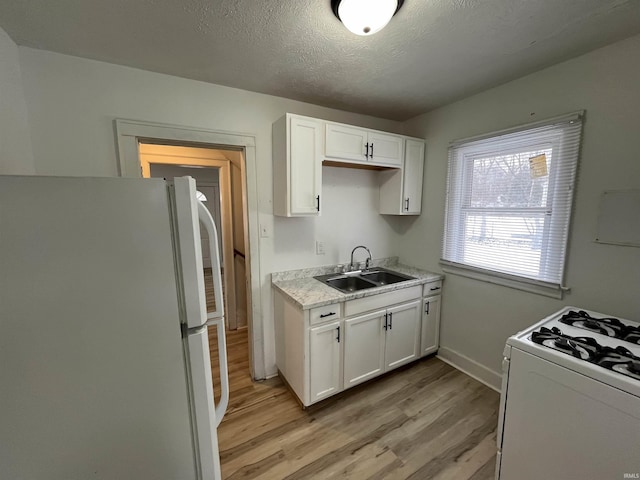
x=363, y=347
x=385, y=149
x=430, y=325
x=412, y=177
x=305, y=166
x=403, y=334
x=343, y=142
x=325, y=360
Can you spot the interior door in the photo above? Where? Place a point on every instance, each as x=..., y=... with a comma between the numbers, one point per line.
x=364, y=338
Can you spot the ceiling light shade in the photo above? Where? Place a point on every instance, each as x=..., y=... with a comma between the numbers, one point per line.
x=365, y=17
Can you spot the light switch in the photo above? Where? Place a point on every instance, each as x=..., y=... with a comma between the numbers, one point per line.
x=319, y=247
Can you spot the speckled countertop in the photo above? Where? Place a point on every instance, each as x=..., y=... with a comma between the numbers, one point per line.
x=306, y=292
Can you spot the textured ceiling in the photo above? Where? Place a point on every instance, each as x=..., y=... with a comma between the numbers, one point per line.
x=432, y=51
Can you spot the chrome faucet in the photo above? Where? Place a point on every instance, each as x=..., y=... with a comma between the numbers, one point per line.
x=367, y=262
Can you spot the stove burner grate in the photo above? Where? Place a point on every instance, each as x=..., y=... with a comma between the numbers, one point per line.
x=612, y=327
x=618, y=359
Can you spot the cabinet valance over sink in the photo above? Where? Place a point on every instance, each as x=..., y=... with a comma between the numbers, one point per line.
x=301, y=145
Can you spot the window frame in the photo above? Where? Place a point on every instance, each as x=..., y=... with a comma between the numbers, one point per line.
x=459, y=183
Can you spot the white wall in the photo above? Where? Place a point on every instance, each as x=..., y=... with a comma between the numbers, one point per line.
x=16, y=156
x=477, y=317
x=72, y=103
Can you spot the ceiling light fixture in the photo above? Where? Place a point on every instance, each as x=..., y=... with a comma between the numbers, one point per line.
x=365, y=17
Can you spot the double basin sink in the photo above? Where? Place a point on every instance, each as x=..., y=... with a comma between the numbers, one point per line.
x=362, y=279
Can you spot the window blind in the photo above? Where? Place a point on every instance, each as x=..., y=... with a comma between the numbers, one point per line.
x=509, y=198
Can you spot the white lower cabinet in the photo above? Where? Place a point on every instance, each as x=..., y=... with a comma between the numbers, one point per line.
x=319, y=352
x=364, y=346
x=403, y=335
x=325, y=360
x=380, y=341
x=429, y=340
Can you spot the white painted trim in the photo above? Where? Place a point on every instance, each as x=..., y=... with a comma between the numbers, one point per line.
x=511, y=281
x=128, y=135
x=470, y=367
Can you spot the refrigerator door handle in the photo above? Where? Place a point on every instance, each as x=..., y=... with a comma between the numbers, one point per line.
x=204, y=420
x=207, y=221
x=221, y=408
x=217, y=316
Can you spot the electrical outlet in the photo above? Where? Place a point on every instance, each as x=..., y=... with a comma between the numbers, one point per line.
x=319, y=247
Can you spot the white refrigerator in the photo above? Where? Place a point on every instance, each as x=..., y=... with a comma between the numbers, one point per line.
x=104, y=356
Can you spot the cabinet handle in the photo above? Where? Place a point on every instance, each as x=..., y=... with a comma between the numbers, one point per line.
x=367, y=153
x=434, y=288
x=407, y=202
x=318, y=203
x=327, y=314
x=390, y=321
x=386, y=317
x=426, y=308
x=338, y=337
x=371, y=149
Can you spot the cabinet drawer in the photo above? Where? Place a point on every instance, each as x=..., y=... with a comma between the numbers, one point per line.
x=432, y=288
x=382, y=300
x=324, y=314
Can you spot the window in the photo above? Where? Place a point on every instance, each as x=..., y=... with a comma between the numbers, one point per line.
x=509, y=198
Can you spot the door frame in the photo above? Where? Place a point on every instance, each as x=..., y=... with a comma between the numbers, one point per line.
x=198, y=157
x=129, y=133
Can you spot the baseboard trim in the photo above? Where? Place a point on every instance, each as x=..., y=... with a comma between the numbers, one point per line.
x=491, y=379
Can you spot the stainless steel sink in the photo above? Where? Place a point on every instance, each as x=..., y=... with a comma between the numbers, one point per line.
x=349, y=284
x=383, y=277
x=363, y=280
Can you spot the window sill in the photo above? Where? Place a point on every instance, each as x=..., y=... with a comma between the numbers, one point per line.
x=511, y=281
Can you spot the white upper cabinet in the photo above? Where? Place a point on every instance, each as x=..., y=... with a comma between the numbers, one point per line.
x=385, y=149
x=345, y=143
x=401, y=190
x=297, y=166
x=301, y=144
x=412, y=176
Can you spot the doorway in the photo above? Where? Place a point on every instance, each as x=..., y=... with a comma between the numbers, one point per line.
x=219, y=177
x=130, y=133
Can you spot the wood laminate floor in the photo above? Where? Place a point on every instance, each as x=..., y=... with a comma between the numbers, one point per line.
x=423, y=421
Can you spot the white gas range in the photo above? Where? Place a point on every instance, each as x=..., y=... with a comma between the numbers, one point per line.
x=570, y=403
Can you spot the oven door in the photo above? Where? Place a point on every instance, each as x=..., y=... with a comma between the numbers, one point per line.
x=560, y=424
